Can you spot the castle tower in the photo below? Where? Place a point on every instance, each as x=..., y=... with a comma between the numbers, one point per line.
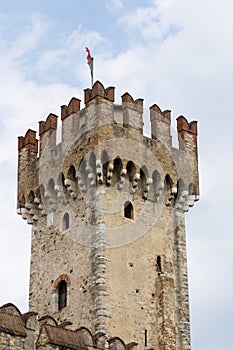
x=107, y=209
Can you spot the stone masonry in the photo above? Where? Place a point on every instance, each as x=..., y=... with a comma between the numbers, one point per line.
x=107, y=208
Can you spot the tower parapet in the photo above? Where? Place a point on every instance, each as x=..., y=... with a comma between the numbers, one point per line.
x=187, y=134
x=160, y=124
x=108, y=186
x=98, y=105
x=47, y=133
x=100, y=111
x=132, y=112
x=30, y=144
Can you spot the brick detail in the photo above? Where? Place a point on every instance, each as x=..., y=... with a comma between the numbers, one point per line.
x=62, y=277
x=73, y=107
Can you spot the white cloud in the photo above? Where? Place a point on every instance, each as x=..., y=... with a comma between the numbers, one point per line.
x=155, y=23
x=70, y=56
x=29, y=38
x=114, y=5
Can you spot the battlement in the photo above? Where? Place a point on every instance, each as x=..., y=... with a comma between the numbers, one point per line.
x=28, y=139
x=97, y=92
x=187, y=132
x=128, y=115
x=99, y=123
x=73, y=107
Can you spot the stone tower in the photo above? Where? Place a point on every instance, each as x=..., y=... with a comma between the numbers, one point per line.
x=107, y=208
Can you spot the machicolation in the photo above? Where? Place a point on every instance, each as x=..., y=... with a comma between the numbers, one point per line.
x=108, y=245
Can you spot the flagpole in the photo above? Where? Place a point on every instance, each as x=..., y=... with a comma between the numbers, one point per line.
x=90, y=62
x=92, y=71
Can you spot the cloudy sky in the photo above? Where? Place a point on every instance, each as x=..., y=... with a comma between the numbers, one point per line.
x=176, y=53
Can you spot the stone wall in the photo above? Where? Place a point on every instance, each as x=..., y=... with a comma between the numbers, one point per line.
x=125, y=276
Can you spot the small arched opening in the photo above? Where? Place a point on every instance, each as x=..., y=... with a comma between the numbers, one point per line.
x=117, y=167
x=168, y=190
x=131, y=170
x=71, y=173
x=31, y=197
x=128, y=210
x=167, y=184
x=65, y=222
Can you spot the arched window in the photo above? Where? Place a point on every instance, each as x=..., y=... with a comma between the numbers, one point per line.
x=71, y=173
x=60, y=290
x=131, y=170
x=31, y=197
x=117, y=167
x=167, y=184
x=62, y=295
x=65, y=222
x=169, y=197
x=128, y=210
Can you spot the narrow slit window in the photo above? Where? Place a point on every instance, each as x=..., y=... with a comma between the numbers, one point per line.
x=159, y=266
x=145, y=339
x=128, y=210
x=62, y=295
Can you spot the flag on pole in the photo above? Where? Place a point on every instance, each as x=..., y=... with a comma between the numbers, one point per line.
x=90, y=63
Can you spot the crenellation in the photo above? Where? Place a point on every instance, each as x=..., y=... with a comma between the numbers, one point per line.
x=187, y=134
x=161, y=125
x=160, y=120
x=107, y=208
x=27, y=150
x=70, y=116
x=49, y=124
x=98, y=92
x=48, y=134
x=28, y=140
x=110, y=93
x=73, y=107
x=132, y=112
